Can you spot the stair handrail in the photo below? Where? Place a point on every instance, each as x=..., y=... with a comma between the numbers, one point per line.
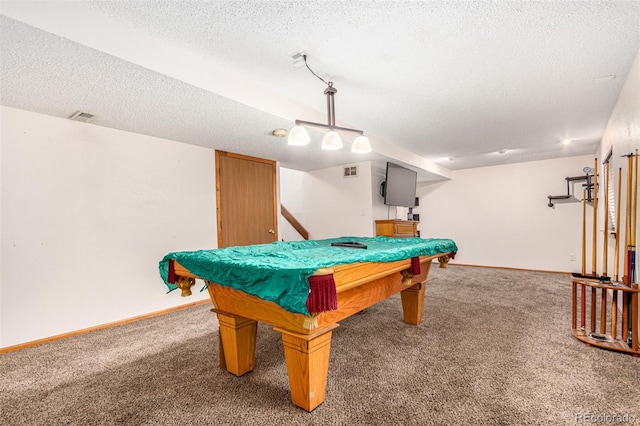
x=294, y=222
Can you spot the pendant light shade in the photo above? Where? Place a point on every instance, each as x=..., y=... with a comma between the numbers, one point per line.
x=331, y=141
x=298, y=136
x=361, y=145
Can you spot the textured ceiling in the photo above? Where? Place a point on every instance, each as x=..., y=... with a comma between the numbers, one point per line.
x=428, y=81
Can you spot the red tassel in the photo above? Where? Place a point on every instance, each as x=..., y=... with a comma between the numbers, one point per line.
x=322, y=296
x=171, y=276
x=415, y=266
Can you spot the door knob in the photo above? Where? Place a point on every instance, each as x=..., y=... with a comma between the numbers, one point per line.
x=271, y=231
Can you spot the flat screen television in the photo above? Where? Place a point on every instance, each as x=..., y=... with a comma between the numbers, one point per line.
x=399, y=187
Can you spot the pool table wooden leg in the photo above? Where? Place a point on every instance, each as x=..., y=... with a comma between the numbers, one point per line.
x=413, y=303
x=237, y=343
x=307, y=358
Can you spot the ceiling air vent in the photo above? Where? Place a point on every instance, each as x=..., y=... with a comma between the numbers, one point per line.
x=85, y=117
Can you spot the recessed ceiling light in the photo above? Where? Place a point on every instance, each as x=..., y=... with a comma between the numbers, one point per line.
x=502, y=151
x=281, y=133
x=442, y=159
x=566, y=142
x=605, y=78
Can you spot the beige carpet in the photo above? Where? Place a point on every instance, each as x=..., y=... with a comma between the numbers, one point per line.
x=495, y=348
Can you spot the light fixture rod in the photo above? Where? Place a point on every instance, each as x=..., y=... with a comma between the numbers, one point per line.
x=330, y=117
x=331, y=105
x=327, y=126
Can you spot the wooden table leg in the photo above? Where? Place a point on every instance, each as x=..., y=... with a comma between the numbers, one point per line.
x=307, y=358
x=238, y=343
x=413, y=303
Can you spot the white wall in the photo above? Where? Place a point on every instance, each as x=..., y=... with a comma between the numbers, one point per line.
x=328, y=204
x=87, y=213
x=622, y=135
x=378, y=209
x=291, y=190
x=499, y=216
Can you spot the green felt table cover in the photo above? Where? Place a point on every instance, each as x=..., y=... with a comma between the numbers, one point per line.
x=279, y=272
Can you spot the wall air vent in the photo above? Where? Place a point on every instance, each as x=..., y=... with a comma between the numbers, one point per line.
x=350, y=171
x=85, y=117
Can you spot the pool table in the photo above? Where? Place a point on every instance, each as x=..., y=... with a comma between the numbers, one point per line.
x=307, y=338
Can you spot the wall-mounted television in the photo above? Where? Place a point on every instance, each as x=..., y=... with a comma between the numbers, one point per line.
x=399, y=187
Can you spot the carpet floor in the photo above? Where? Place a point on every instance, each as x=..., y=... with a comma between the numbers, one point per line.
x=494, y=348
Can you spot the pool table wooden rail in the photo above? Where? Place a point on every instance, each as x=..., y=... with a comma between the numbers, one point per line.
x=383, y=280
x=307, y=339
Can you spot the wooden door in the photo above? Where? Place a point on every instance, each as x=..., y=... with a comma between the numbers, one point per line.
x=246, y=200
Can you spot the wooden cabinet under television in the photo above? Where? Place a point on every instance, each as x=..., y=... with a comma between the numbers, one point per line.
x=397, y=228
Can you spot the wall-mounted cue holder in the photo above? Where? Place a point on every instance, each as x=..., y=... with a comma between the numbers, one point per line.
x=571, y=180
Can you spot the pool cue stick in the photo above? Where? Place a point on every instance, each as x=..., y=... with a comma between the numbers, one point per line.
x=634, y=219
x=616, y=261
x=584, y=232
x=633, y=310
x=583, y=289
x=634, y=318
x=626, y=331
x=594, y=237
x=605, y=250
x=627, y=225
x=594, y=196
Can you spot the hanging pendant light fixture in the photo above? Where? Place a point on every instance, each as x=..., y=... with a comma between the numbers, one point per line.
x=331, y=140
x=299, y=136
x=361, y=145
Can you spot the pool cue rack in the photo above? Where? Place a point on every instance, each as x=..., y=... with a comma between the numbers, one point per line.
x=610, y=312
x=605, y=312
